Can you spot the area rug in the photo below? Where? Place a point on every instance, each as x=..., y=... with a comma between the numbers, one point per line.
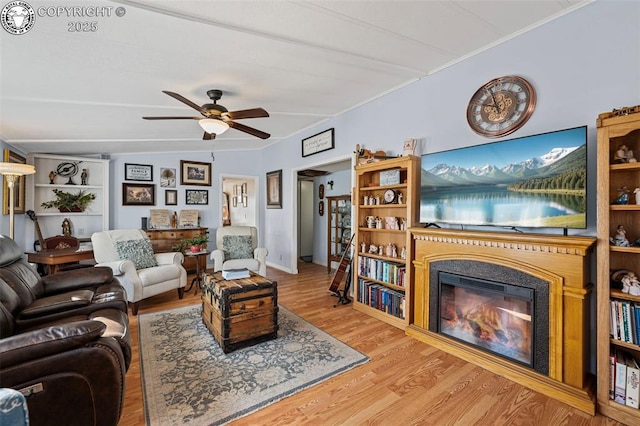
x=187, y=379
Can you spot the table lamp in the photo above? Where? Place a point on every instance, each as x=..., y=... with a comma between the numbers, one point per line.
x=12, y=172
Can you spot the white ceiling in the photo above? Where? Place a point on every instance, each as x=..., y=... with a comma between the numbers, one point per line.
x=303, y=61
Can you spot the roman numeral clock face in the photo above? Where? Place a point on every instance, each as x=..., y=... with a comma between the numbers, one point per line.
x=501, y=106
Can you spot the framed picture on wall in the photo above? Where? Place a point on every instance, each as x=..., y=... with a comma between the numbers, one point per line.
x=139, y=194
x=195, y=173
x=168, y=178
x=171, y=197
x=140, y=172
x=197, y=196
x=274, y=189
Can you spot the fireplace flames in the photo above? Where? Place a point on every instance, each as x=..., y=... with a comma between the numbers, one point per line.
x=497, y=323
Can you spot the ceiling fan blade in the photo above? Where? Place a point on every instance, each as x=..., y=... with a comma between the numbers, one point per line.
x=247, y=113
x=172, y=118
x=208, y=136
x=187, y=102
x=255, y=132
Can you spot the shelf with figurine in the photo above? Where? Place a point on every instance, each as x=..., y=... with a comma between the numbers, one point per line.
x=618, y=250
x=386, y=194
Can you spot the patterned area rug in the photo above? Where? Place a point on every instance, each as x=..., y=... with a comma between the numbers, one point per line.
x=187, y=379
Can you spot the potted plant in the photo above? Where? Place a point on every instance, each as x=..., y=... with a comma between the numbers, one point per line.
x=193, y=244
x=70, y=202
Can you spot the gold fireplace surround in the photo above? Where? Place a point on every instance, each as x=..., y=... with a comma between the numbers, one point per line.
x=562, y=261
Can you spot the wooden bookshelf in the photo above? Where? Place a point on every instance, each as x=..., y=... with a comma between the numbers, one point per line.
x=612, y=132
x=376, y=291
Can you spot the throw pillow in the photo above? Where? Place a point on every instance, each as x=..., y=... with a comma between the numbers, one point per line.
x=140, y=252
x=237, y=247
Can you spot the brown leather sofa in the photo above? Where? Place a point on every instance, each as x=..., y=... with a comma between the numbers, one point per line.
x=64, y=341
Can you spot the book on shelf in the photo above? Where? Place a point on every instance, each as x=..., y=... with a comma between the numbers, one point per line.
x=234, y=274
x=620, y=394
x=612, y=376
x=633, y=375
x=624, y=321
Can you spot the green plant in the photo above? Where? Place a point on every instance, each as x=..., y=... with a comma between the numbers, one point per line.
x=69, y=201
x=185, y=243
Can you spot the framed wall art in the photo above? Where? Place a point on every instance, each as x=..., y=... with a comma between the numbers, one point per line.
x=274, y=189
x=139, y=172
x=171, y=197
x=138, y=194
x=18, y=187
x=167, y=178
x=195, y=173
x=197, y=196
x=322, y=141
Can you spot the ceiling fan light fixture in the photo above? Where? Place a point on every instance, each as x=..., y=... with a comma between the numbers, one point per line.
x=212, y=125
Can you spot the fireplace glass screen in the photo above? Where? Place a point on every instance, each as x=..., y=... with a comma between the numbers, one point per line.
x=492, y=316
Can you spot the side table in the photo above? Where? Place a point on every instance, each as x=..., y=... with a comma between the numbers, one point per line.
x=198, y=278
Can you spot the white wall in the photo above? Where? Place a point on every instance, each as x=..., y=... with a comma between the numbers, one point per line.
x=580, y=65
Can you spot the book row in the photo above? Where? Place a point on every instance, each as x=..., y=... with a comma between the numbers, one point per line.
x=625, y=321
x=392, y=273
x=382, y=298
x=624, y=377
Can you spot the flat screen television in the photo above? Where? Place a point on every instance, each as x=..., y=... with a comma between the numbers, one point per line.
x=531, y=182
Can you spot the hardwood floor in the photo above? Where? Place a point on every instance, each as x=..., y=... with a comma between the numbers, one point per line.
x=406, y=382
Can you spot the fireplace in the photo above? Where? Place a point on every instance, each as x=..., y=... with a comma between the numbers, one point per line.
x=496, y=309
x=491, y=316
x=515, y=304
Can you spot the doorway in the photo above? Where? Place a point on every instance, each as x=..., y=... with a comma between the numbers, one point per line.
x=309, y=232
x=241, y=196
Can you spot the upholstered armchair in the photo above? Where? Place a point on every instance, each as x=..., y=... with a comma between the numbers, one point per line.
x=237, y=247
x=128, y=252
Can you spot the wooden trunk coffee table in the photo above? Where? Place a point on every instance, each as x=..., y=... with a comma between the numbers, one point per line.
x=240, y=312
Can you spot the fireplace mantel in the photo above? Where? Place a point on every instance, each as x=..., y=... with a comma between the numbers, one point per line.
x=562, y=261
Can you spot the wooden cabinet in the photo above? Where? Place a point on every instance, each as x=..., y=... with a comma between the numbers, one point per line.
x=163, y=240
x=60, y=170
x=338, y=228
x=613, y=133
x=382, y=278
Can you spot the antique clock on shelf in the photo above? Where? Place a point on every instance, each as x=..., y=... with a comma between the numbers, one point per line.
x=501, y=106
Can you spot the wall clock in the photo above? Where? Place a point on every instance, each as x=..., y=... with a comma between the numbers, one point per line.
x=501, y=106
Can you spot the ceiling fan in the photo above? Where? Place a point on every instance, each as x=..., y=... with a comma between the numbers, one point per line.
x=216, y=119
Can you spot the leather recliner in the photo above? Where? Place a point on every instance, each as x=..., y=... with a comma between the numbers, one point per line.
x=44, y=299
x=71, y=349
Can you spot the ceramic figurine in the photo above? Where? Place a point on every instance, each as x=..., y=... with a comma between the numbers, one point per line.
x=66, y=227
x=620, y=239
x=373, y=249
x=403, y=253
x=378, y=223
x=637, y=192
x=623, y=196
x=389, y=250
x=394, y=252
x=630, y=284
x=83, y=177
x=620, y=155
x=52, y=175
x=399, y=197
x=381, y=250
x=363, y=247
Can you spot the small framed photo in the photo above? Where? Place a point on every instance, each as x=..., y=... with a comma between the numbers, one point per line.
x=171, y=197
x=197, y=196
x=274, y=189
x=139, y=172
x=322, y=141
x=167, y=178
x=195, y=173
x=138, y=194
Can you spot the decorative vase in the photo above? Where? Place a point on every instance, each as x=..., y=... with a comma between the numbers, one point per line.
x=195, y=249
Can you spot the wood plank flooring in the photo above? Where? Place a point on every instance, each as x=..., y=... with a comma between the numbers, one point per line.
x=407, y=382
